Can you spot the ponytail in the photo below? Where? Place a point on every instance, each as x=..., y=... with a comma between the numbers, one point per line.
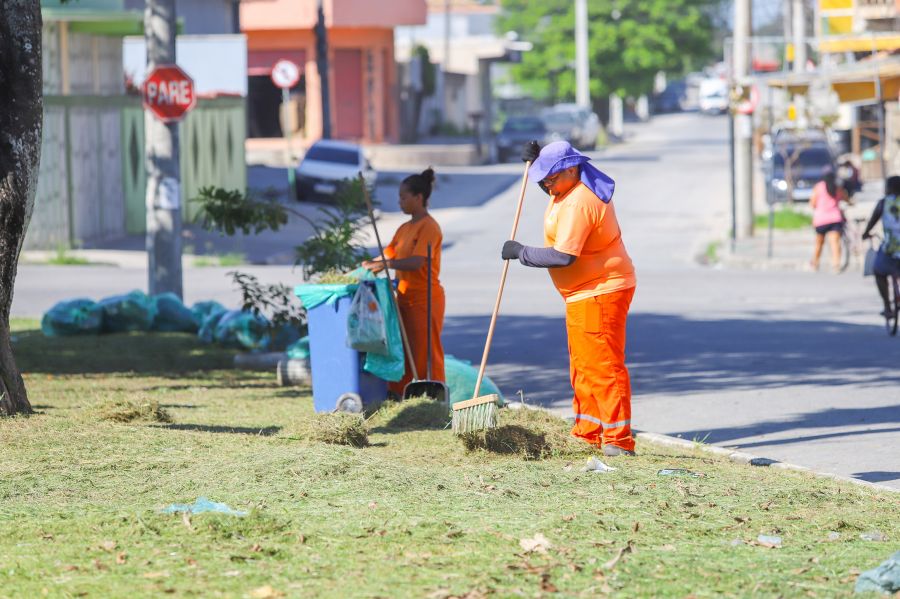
x=421, y=184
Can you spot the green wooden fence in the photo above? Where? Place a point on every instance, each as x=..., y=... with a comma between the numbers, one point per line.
x=92, y=181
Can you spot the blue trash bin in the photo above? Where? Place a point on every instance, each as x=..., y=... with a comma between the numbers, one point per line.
x=338, y=380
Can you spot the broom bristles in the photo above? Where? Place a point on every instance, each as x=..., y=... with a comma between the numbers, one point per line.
x=475, y=414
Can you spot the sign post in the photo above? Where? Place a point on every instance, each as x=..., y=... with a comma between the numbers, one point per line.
x=286, y=74
x=168, y=95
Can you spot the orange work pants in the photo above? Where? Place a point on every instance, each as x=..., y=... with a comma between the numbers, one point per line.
x=602, y=403
x=413, y=311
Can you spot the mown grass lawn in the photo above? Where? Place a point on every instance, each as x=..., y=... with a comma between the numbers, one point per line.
x=411, y=515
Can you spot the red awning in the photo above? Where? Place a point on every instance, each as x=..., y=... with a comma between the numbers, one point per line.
x=260, y=62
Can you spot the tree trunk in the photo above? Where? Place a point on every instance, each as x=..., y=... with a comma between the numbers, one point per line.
x=21, y=124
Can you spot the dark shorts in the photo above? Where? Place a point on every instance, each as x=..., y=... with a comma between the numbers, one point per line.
x=886, y=266
x=836, y=227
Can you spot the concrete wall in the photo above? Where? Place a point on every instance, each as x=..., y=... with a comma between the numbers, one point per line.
x=379, y=102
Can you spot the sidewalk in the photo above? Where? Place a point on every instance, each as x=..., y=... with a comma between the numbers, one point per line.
x=791, y=250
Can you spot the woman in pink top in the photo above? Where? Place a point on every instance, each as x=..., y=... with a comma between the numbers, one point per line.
x=828, y=218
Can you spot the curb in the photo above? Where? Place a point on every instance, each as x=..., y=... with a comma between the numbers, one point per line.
x=740, y=457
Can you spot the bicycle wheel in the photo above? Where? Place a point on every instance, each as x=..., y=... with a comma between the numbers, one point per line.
x=846, y=250
x=891, y=321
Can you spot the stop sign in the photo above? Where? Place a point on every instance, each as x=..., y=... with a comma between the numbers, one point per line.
x=169, y=93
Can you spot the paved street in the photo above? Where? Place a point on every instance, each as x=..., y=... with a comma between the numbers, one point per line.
x=790, y=365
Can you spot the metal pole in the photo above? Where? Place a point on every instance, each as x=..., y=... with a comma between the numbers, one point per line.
x=163, y=199
x=743, y=125
x=799, y=22
x=292, y=176
x=322, y=64
x=582, y=73
x=733, y=182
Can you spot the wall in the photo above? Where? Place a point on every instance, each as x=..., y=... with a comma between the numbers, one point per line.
x=379, y=105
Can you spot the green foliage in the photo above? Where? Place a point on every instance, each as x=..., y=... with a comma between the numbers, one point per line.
x=630, y=41
x=429, y=73
x=334, y=245
x=276, y=302
x=786, y=219
x=229, y=210
x=64, y=258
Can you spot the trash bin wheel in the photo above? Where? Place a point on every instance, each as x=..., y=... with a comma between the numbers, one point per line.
x=350, y=403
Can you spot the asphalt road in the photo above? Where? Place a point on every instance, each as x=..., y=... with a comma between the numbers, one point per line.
x=792, y=366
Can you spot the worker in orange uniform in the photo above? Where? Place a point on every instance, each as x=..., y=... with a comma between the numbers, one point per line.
x=590, y=268
x=406, y=254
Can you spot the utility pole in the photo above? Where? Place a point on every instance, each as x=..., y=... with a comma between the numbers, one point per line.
x=799, y=26
x=582, y=74
x=743, y=125
x=322, y=65
x=163, y=172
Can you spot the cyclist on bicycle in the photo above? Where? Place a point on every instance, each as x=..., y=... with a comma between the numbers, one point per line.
x=887, y=260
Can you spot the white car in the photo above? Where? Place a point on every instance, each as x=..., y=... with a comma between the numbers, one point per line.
x=327, y=164
x=713, y=96
x=586, y=124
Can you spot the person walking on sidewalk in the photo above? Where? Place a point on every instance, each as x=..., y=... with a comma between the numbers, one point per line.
x=590, y=268
x=407, y=254
x=887, y=260
x=828, y=219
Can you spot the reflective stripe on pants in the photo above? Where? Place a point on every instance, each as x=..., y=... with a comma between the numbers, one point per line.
x=602, y=402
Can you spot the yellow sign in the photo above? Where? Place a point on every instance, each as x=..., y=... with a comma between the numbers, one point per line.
x=792, y=112
x=789, y=52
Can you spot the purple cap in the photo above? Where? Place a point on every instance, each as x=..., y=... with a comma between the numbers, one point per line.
x=560, y=155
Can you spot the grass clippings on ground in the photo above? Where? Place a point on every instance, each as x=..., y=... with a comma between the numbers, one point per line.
x=413, y=514
x=336, y=428
x=528, y=433
x=131, y=410
x=417, y=413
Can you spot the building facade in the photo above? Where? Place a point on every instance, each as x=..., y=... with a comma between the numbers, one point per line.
x=362, y=72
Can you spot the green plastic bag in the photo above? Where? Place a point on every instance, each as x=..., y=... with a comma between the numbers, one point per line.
x=172, y=316
x=392, y=366
x=132, y=312
x=245, y=330
x=73, y=317
x=203, y=310
x=207, y=332
x=461, y=377
x=299, y=350
x=315, y=294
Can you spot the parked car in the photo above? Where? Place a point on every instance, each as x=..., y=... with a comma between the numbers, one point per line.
x=586, y=126
x=801, y=160
x=713, y=96
x=672, y=99
x=516, y=132
x=327, y=164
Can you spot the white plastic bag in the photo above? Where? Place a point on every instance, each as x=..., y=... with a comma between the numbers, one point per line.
x=869, y=263
x=365, y=324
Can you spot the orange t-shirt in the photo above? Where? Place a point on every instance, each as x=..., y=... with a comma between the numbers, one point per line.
x=412, y=239
x=580, y=224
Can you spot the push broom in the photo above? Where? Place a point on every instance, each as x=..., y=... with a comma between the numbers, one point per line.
x=480, y=413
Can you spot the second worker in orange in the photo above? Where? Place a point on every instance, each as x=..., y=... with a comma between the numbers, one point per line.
x=590, y=268
x=406, y=254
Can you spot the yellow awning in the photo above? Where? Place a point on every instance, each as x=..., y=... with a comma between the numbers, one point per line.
x=854, y=83
x=859, y=43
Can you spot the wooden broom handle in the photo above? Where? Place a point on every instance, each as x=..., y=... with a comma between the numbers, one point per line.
x=406, y=346
x=490, y=335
